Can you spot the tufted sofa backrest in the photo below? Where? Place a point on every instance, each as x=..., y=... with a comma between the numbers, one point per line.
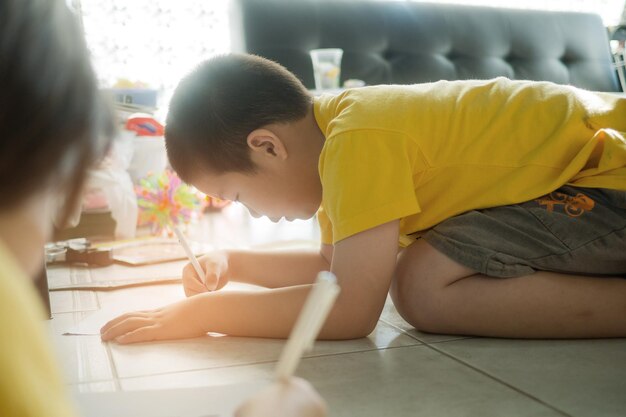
x=406, y=42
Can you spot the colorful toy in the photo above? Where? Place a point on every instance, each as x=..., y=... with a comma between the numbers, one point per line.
x=164, y=199
x=144, y=125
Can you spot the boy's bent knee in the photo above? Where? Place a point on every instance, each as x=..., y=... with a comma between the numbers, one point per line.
x=424, y=310
x=413, y=290
x=418, y=288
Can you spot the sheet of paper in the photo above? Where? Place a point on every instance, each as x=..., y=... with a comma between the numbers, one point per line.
x=213, y=401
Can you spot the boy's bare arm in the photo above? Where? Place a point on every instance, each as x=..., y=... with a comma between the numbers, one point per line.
x=269, y=269
x=364, y=264
x=277, y=269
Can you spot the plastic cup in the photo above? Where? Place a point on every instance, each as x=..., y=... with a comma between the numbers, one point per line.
x=326, y=67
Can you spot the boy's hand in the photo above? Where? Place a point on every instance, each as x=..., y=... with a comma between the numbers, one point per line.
x=215, y=267
x=175, y=321
x=292, y=398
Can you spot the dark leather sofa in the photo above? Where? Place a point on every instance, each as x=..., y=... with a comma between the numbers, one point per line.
x=407, y=42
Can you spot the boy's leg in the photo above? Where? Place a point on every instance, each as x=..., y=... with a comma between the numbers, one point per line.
x=444, y=281
x=436, y=294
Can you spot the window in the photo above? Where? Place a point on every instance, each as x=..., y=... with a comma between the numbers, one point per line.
x=158, y=41
x=153, y=41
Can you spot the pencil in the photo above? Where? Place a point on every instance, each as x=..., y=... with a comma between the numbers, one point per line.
x=313, y=315
x=189, y=253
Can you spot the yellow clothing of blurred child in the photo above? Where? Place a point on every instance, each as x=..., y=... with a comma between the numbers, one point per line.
x=53, y=127
x=494, y=208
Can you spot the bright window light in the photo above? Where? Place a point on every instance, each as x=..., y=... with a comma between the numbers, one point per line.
x=157, y=41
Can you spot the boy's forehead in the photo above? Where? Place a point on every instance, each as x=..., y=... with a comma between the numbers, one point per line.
x=228, y=185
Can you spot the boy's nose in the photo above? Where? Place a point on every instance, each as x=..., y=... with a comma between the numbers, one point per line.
x=254, y=213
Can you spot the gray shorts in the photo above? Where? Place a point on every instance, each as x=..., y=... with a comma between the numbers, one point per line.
x=571, y=230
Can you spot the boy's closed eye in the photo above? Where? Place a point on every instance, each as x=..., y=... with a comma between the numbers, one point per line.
x=234, y=200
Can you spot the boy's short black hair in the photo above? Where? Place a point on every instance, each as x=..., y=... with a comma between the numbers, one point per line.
x=217, y=105
x=54, y=123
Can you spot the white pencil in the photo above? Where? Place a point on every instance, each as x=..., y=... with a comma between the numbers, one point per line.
x=190, y=255
x=313, y=315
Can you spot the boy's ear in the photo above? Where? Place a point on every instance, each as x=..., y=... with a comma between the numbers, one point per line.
x=266, y=143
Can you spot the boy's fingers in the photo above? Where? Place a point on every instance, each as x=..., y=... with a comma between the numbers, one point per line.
x=192, y=285
x=117, y=320
x=189, y=292
x=142, y=334
x=190, y=272
x=213, y=266
x=120, y=318
x=210, y=282
x=126, y=326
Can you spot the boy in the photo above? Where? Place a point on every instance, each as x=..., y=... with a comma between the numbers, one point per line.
x=507, y=198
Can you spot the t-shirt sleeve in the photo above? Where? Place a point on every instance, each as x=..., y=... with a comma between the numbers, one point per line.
x=326, y=227
x=367, y=180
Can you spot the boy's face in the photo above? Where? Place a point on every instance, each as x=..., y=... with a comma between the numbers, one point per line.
x=271, y=193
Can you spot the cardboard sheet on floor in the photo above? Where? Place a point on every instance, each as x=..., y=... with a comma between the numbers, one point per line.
x=114, y=276
x=212, y=401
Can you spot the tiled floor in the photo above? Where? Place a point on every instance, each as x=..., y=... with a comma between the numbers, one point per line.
x=396, y=371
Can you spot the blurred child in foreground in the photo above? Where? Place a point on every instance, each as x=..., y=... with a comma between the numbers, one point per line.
x=54, y=126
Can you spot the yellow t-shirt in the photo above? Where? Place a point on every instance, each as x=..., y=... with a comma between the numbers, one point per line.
x=30, y=383
x=424, y=153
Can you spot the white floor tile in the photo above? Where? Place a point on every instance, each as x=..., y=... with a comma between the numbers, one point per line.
x=103, y=386
x=580, y=377
x=390, y=316
x=412, y=381
x=83, y=359
x=73, y=301
x=222, y=351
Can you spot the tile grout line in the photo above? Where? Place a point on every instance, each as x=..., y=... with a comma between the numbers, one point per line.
x=107, y=347
x=495, y=378
x=404, y=332
x=481, y=371
x=236, y=365
x=211, y=368
x=116, y=378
